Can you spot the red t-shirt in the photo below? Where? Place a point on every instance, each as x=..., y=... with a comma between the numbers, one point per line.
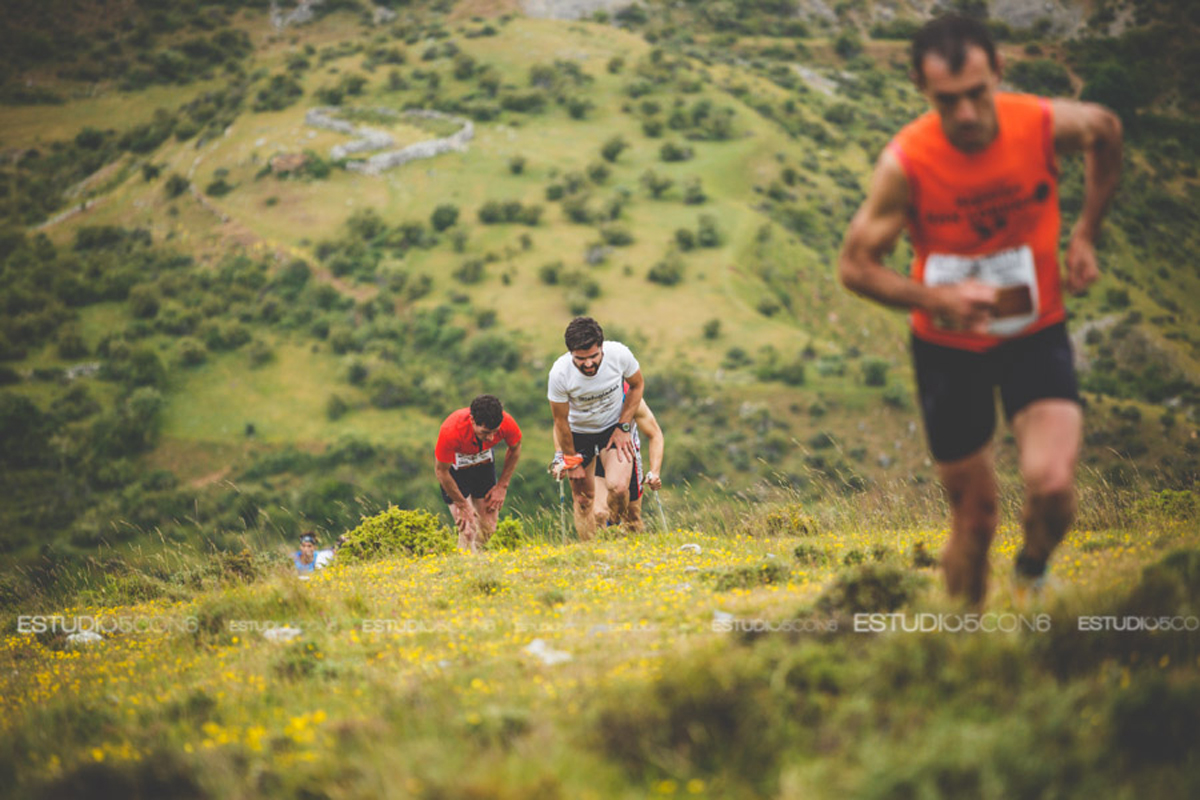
x=458, y=446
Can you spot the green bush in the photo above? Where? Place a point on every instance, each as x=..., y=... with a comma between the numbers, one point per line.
x=874, y=372
x=1040, y=76
x=509, y=535
x=444, y=216
x=667, y=272
x=789, y=520
x=396, y=532
x=1174, y=505
x=870, y=588
x=750, y=576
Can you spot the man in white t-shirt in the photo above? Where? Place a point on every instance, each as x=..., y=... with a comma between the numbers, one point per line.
x=593, y=416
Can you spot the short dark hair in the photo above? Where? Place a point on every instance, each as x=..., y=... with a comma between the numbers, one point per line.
x=487, y=411
x=582, y=333
x=948, y=37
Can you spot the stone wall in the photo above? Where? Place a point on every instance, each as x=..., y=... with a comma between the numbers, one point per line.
x=371, y=139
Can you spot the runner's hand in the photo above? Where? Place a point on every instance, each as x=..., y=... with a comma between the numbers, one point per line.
x=571, y=466
x=495, y=497
x=653, y=480
x=622, y=442
x=966, y=306
x=1082, y=269
x=465, y=516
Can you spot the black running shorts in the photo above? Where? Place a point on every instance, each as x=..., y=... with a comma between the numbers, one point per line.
x=589, y=444
x=957, y=388
x=474, y=481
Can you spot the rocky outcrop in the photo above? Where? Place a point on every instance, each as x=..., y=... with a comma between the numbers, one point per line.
x=571, y=9
x=303, y=12
x=369, y=139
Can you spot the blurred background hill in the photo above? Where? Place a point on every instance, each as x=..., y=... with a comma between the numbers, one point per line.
x=219, y=327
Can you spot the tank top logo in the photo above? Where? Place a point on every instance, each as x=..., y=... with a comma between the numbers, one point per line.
x=988, y=212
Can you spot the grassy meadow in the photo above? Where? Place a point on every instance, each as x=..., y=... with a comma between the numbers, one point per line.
x=726, y=663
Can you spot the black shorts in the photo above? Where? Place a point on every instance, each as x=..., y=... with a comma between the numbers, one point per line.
x=957, y=388
x=589, y=444
x=474, y=481
x=635, y=476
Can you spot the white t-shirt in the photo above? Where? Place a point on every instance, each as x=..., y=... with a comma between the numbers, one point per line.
x=595, y=402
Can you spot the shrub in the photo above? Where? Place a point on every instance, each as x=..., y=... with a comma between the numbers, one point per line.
x=190, y=352
x=516, y=165
x=750, y=576
x=921, y=557
x=707, y=234
x=396, y=531
x=1040, y=76
x=578, y=107
x=612, y=148
x=335, y=408
x=673, y=152
x=712, y=328
x=870, y=588
x=176, y=185
x=874, y=372
x=509, y=535
x=667, y=272
x=598, y=172
x=810, y=555
x=789, y=520
x=218, y=188
x=549, y=274
x=656, y=184
x=471, y=271
x=443, y=217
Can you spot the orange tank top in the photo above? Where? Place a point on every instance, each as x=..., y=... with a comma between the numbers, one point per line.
x=991, y=215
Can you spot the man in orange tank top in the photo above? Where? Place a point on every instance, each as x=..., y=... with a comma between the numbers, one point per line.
x=975, y=182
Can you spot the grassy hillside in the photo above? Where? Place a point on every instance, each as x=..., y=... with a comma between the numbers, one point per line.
x=752, y=661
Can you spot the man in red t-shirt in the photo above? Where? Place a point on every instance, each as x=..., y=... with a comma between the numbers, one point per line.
x=466, y=467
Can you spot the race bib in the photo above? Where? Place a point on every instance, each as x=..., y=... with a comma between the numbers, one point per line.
x=464, y=460
x=1011, y=271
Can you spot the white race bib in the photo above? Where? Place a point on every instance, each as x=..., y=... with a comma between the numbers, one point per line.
x=1011, y=271
x=464, y=460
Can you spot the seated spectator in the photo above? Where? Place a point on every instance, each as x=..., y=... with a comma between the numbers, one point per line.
x=306, y=557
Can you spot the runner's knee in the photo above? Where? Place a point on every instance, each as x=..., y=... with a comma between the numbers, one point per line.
x=618, y=494
x=1051, y=482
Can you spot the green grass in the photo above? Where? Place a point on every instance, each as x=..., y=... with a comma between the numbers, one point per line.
x=423, y=666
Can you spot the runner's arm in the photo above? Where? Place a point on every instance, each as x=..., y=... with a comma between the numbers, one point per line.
x=633, y=398
x=511, y=456
x=622, y=441
x=563, y=440
x=1095, y=131
x=873, y=233
x=648, y=427
x=442, y=470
